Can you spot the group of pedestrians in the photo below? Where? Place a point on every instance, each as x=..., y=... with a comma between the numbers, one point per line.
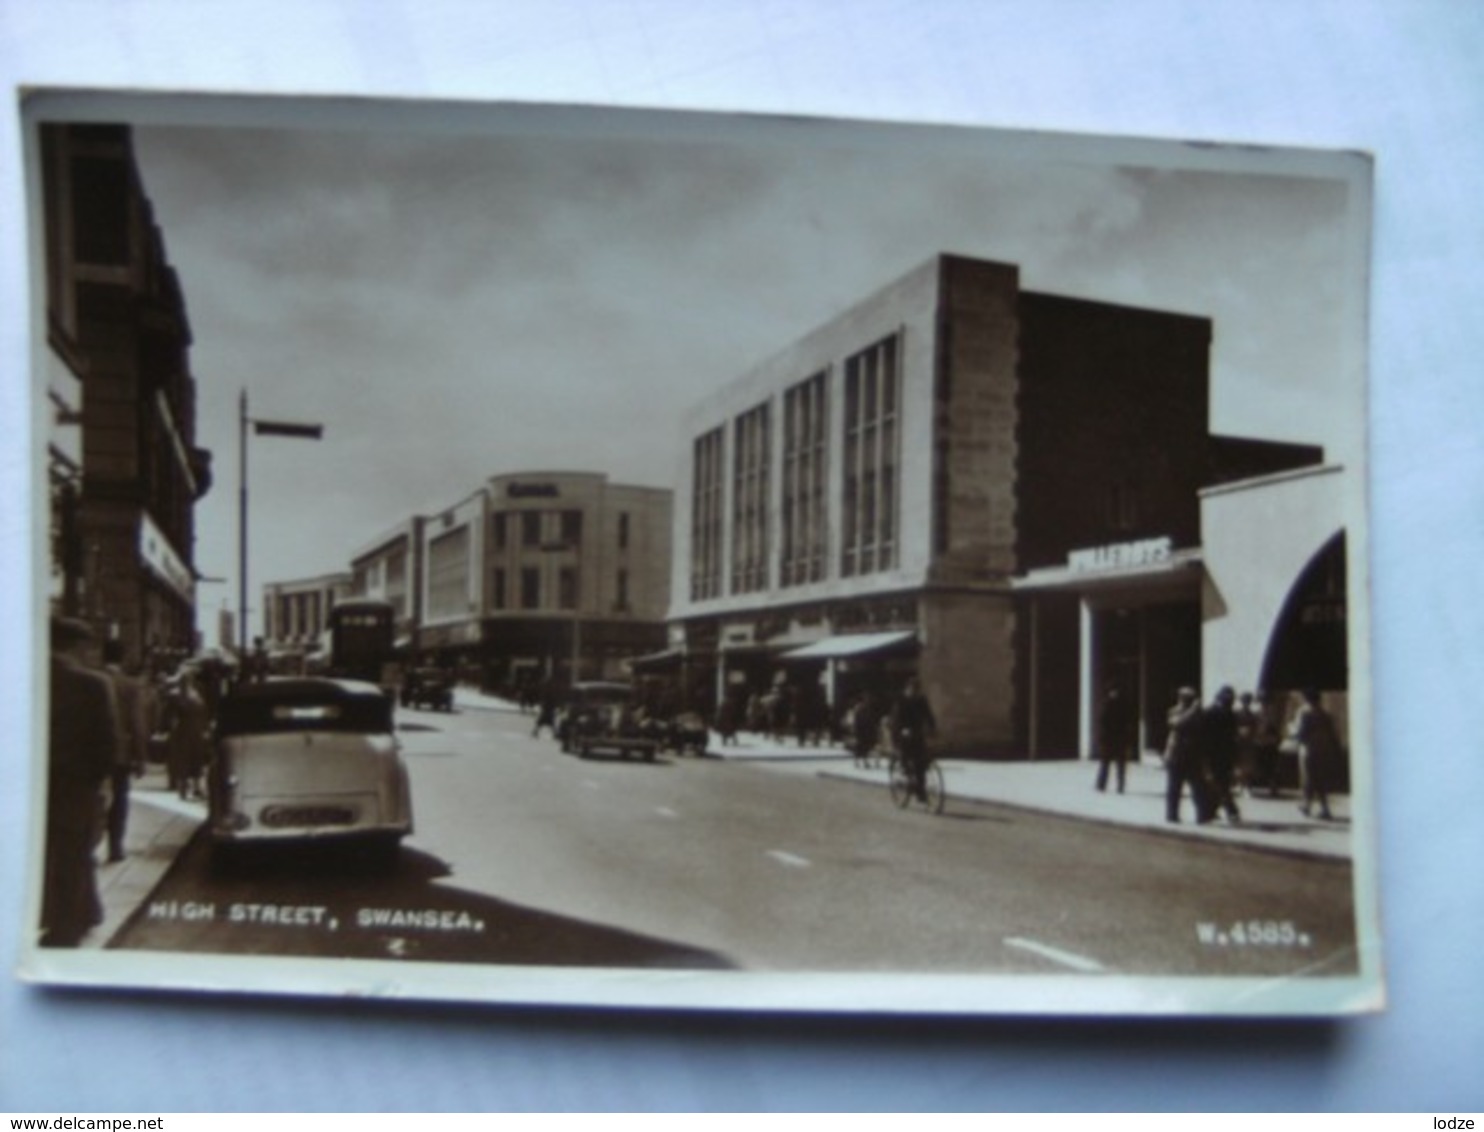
x=107, y=722
x=783, y=710
x=1216, y=751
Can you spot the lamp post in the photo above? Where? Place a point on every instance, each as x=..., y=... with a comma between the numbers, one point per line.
x=259, y=428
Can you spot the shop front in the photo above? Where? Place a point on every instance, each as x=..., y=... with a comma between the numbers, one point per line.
x=820, y=658
x=1125, y=615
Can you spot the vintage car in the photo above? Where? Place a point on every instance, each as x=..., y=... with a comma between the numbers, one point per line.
x=688, y=733
x=602, y=716
x=428, y=688
x=308, y=759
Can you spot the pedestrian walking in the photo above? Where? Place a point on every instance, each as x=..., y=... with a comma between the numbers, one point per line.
x=865, y=728
x=131, y=696
x=1116, y=728
x=1183, y=765
x=82, y=749
x=1249, y=766
x=546, y=714
x=1313, y=729
x=1218, y=743
x=1267, y=739
x=727, y=719
x=189, y=745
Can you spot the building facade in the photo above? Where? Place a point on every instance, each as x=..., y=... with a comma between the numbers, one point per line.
x=390, y=569
x=124, y=469
x=296, y=616
x=451, y=551
x=577, y=576
x=874, y=502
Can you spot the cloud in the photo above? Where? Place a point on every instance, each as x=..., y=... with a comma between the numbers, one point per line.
x=454, y=306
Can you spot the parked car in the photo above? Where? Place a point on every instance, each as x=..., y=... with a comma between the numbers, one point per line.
x=688, y=733
x=602, y=716
x=308, y=759
x=428, y=688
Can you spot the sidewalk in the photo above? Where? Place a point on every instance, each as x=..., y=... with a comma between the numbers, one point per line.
x=160, y=825
x=1057, y=786
x=1065, y=787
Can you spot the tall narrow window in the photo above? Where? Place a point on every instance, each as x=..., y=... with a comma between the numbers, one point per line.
x=448, y=573
x=750, y=457
x=572, y=529
x=621, y=601
x=530, y=528
x=803, y=527
x=706, y=517
x=530, y=588
x=567, y=588
x=499, y=529
x=497, y=597
x=623, y=530
x=869, y=493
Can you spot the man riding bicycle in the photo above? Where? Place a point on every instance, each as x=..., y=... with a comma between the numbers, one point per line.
x=912, y=723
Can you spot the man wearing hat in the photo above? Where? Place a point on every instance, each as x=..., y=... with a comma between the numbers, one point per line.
x=1183, y=761
x=83, y=746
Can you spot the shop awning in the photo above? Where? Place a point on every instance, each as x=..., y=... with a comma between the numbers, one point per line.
x=1181, y=570
x=851, y=644
x=668, y=658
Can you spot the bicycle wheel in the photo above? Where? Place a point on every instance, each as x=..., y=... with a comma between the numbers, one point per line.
x=900, y=783
x=932, y=781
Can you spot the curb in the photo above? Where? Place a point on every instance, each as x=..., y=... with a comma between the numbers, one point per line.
x=1182, y=832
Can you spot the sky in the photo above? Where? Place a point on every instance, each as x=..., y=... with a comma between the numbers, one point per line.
x=454, y=305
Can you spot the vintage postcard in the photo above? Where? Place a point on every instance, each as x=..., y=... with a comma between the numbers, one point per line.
x=541, y=554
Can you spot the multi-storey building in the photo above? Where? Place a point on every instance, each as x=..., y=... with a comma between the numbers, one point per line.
x=577, y=575
x=390, y=569
x=868, y=504
x=124, y=468
x=296, y=613
x=451, y=549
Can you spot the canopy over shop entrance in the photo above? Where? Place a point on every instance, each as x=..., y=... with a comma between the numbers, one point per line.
x=851, y=644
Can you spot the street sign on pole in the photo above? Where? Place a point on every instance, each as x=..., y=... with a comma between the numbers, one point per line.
x=288, y=428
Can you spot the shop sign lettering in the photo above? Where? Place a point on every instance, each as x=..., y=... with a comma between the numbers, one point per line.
x=157, y=554
x=1121, y=555
x=531, y=490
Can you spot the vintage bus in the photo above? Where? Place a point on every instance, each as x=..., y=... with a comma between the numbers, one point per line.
x=362, y=642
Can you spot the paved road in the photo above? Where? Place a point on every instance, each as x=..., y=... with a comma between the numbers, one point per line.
x=527, y=855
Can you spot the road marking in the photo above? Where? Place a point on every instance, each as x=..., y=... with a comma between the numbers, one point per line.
x=1056, y=955
x=789, y=859
x=590, y=784
x=665, y=812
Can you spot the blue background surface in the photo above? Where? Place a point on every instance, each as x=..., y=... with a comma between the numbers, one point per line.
x=1399, y=79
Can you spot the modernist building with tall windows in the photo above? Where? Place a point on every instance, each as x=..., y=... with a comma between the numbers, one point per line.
x=532, y=578
x=933, y=482
x=390, y=568
x=536, y=577
x=296, y=617
x=124, y=468
x=577, y=578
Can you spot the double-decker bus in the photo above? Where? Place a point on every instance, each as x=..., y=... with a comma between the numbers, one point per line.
x=362, y=641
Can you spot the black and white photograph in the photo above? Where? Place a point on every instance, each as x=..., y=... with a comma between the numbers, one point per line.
x=554, y=555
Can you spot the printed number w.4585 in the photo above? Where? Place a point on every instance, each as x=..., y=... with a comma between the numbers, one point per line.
x=1253, y=933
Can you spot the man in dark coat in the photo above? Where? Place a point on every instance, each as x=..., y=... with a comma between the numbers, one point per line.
x=1183, y=763
x=84, y=743
x=913, y=723
x=1219, y=750
x=131, y=696
x=1115, y=737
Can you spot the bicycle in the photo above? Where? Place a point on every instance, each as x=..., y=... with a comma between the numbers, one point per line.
x=932, y=796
